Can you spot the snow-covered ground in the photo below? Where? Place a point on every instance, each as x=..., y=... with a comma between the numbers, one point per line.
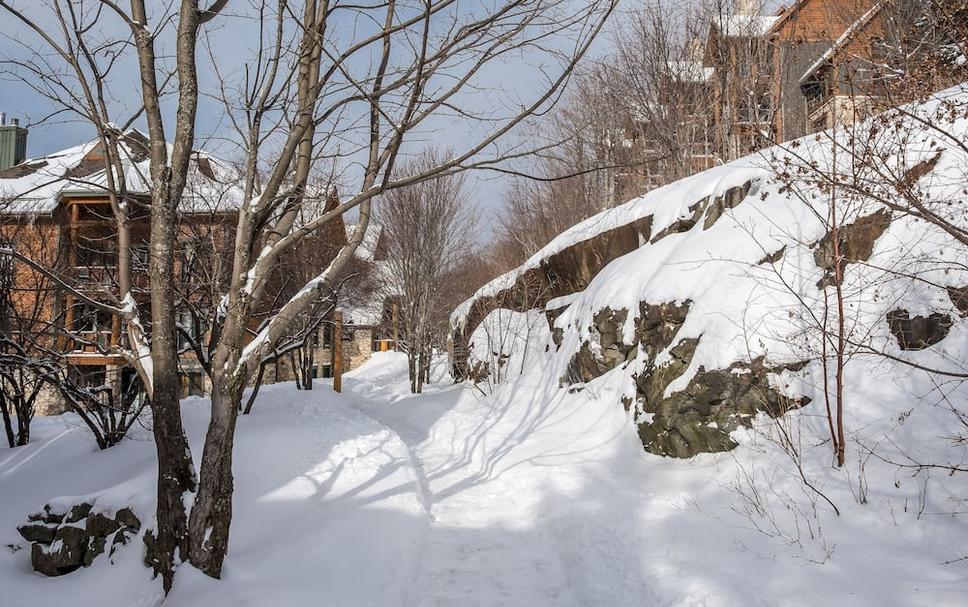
x=531, y=496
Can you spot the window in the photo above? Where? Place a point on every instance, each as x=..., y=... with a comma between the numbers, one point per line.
x=92, y=326
x=88, y=376
x=193, y=383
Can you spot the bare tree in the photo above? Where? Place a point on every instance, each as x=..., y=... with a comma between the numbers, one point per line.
x=428, y=229
x=311, y=91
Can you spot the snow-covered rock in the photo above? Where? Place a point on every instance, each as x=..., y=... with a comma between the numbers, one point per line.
x=727, y=304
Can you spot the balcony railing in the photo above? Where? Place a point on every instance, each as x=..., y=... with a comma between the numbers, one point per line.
x=93, y=341
x=95, y=275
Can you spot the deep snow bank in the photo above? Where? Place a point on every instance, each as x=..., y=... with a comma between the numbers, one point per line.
x=727, y=305
x=327, y=509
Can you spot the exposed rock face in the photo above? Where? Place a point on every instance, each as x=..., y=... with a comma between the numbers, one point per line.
x=604, y=351
x=64, y=542
x=571, y=269
x=918, y=332
x=696, y=419
x=959, y=297
x=700, y=418
x=654, y=330
x=856, y=243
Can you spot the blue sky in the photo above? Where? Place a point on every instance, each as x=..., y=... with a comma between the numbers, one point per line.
x=513, y=79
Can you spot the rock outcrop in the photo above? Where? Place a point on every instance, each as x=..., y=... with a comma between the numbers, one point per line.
x=62, y=542
x=700, y=417
x=856, y=241
x=570, y=269
x=918, y=332
x=696, y=419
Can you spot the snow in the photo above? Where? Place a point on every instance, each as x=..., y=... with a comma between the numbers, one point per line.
x=48, y=179
x=326, y=505
x=37, y=192
x=539, y=494
x=747, y=25
x=366, y=251
x=533, y=496
x=506, y=342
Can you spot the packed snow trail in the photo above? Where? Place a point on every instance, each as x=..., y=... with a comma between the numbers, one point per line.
x=532, y=496
x=480, y=548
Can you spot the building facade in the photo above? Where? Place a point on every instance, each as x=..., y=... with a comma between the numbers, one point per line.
x=57, y=211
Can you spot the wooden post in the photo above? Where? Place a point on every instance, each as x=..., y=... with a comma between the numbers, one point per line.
x=394, y=325
x=72, y=269
x=338, y=351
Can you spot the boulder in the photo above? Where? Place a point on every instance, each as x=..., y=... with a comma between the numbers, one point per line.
x=64, y=555
x=99, y=524
x=37, y=532
x=77, y=512
x=127, y=518
x=62, y=543
x=918, y=332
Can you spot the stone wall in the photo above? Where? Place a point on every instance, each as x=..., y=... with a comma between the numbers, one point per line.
x=356, y=350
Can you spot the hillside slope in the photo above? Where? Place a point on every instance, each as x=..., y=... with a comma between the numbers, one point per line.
x=717, y=333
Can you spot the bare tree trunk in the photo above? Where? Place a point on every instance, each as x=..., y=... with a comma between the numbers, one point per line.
x=826, y=373
x=7, y=422
x=211, y=513
x=176, y=471
x=426, y=364
x=841, y=338
x=839, y=290
x=412, y=368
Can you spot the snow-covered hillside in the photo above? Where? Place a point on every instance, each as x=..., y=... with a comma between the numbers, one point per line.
x=552, y=483
x=532, y=496
x=712, y=333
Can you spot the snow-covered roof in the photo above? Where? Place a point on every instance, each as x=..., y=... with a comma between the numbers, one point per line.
x=691, y=71
x=35, y=186
x=371, y=240
x=368, y=314
x=746, y=25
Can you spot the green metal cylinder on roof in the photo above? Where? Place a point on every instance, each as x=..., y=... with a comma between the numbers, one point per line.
x=13, y=144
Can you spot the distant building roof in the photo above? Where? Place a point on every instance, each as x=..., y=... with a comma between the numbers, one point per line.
x=849, y=34
x=369, y=248
x=35, y=186
x=738, y=26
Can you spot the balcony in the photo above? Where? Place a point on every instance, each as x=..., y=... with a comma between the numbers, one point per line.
x=92, y=348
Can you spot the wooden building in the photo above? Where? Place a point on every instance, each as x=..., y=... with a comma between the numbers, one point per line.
x=824, y=69
x=56, y=210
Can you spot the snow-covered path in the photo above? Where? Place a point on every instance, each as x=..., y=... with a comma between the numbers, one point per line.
x=529, y=497
x=481, y=547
